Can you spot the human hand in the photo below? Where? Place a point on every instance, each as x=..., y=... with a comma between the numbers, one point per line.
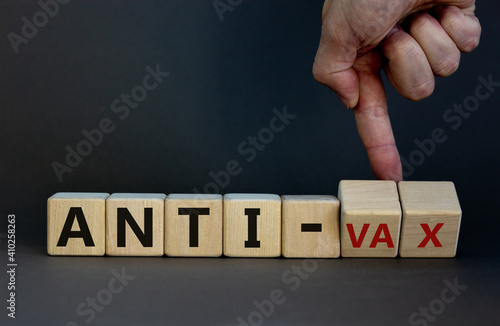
x=412, y=40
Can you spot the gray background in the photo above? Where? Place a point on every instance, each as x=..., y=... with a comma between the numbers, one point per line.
x=225, y=79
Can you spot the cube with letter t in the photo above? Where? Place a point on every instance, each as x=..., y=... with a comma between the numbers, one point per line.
x=193, y=225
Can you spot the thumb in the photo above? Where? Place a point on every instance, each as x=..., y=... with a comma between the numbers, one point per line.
x=344, y=83
x=333, y=64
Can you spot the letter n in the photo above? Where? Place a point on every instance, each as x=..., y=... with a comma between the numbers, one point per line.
x=146, y=237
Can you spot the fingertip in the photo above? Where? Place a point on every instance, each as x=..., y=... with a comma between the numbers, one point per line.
x=396, y=175
x=344, y=83
x=349, y=103
x=387, y=166
x=462, y=26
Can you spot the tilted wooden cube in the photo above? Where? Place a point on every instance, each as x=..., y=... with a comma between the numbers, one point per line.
x=370, y=218
x=310, y=226
x=135, y=224
x=252, y=225
x=193, y=225
x=431, y=219
x=76, y=224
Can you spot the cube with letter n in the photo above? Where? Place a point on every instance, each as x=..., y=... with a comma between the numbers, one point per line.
x=134, y=224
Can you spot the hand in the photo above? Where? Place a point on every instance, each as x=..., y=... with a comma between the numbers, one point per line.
x=418, y=38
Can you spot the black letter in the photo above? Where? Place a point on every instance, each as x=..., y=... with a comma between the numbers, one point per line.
x=145, y=238
x=193, y=222
x=252, y=214
x=84, y=232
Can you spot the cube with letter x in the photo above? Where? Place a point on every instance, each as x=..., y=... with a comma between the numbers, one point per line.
x=431, y=219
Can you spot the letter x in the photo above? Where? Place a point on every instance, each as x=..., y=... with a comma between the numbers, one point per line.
x=430, y=235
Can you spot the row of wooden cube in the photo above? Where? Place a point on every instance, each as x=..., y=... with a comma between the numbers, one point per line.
x=371, y=219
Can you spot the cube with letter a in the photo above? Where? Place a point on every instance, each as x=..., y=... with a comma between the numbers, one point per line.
x=370, y=218
x=76, y=224
x=431, y=219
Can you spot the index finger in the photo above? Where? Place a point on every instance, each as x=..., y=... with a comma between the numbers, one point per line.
x=373, y=122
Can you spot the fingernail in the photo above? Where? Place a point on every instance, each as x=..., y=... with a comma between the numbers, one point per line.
x=392, y=31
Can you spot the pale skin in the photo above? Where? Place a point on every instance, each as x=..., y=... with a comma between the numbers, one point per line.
x=411, y=40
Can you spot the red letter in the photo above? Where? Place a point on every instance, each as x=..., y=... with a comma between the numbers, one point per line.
x=387, y=237
x=356, y=243
x=430, y=235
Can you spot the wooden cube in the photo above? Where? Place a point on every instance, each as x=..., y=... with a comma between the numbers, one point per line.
x=310, y=227
x=431, y=219
x=370, y=218
x=134, y=224
x=76, y=224
x=193, y=225
x=252, y=225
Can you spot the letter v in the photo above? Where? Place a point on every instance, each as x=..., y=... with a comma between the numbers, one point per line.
x=356, y=243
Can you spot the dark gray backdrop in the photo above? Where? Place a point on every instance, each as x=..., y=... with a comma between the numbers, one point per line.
x=225, y=77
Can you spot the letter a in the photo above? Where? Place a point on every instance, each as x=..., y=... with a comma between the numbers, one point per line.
x=84, y=233
x=387, y=236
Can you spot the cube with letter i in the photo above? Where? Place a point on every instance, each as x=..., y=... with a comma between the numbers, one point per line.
x=431, y=219
x=252, y=225
x=370, y=218
x=76, y=224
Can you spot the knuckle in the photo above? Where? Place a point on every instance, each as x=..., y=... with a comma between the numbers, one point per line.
x=376, y=111
x=453, y=19
x=403, y=48
x=453, y=23
x=419, y=22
